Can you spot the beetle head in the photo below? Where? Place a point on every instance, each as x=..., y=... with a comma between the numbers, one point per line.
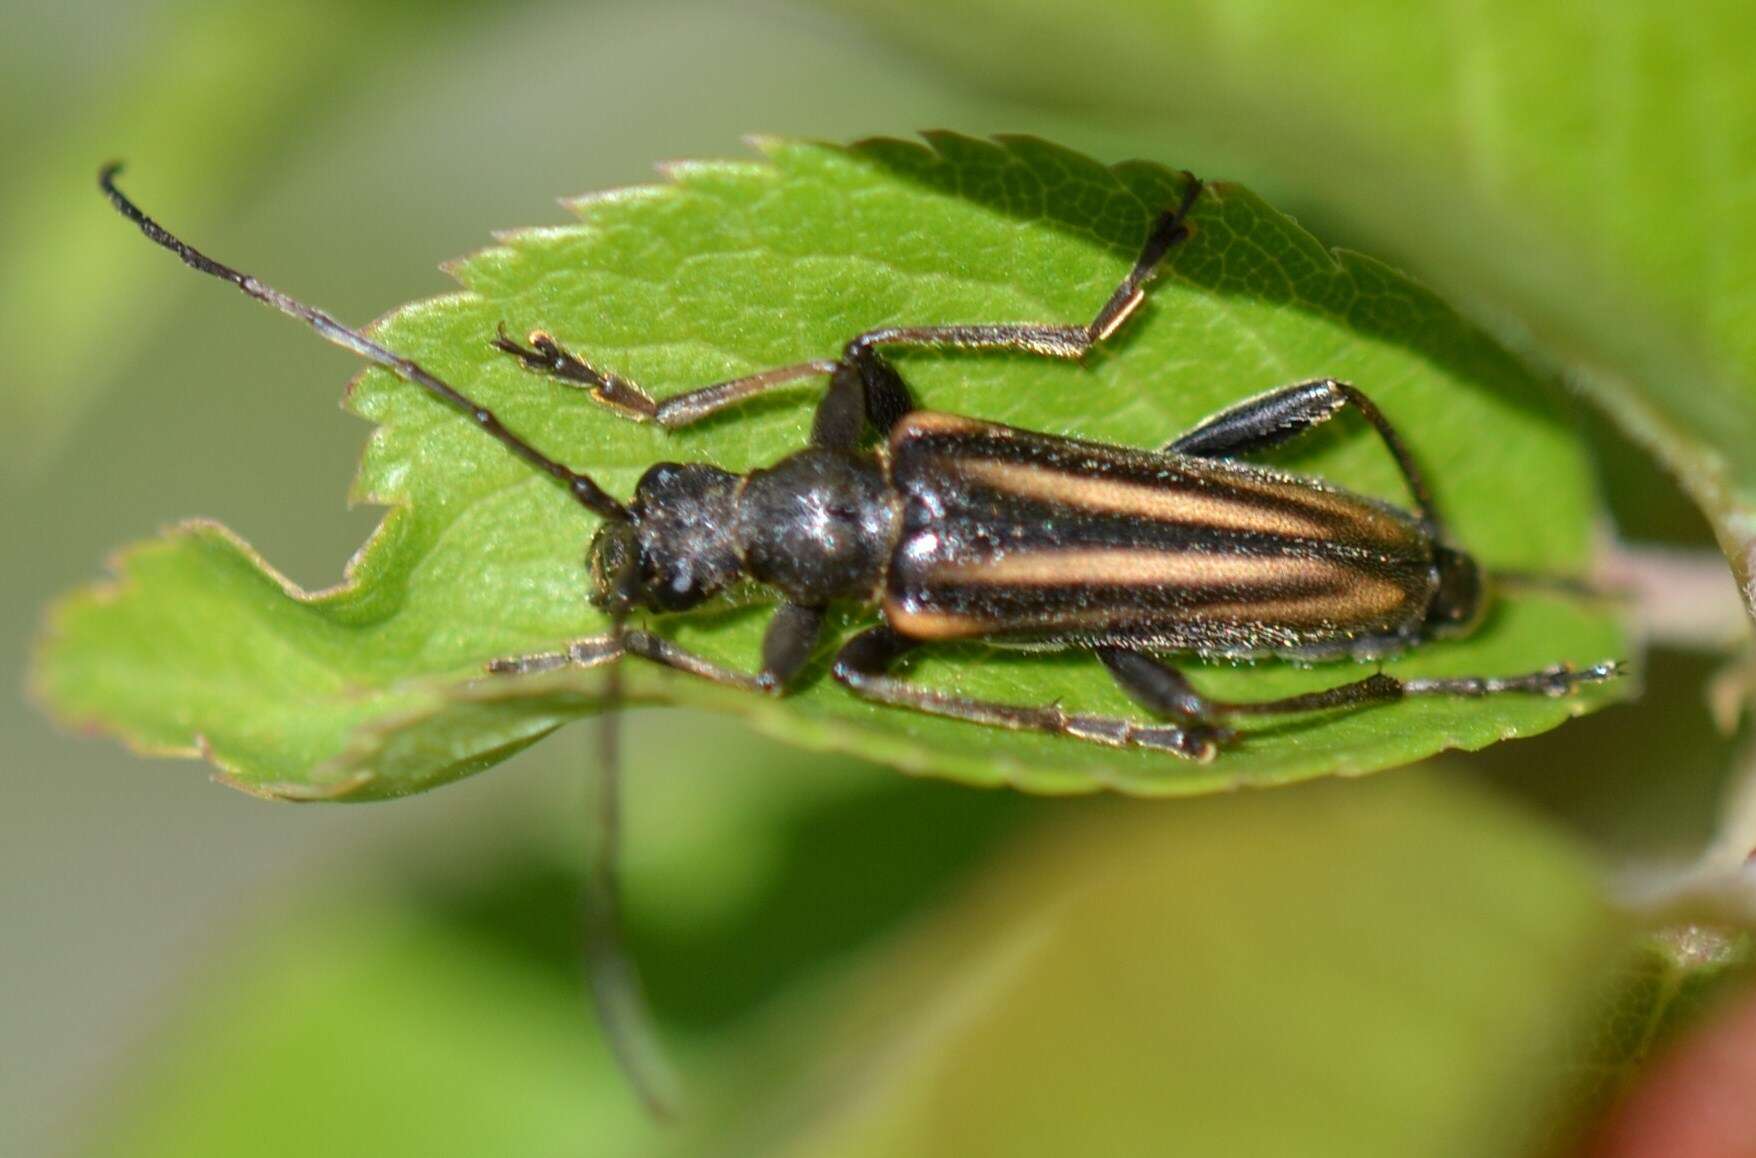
x=675, y=548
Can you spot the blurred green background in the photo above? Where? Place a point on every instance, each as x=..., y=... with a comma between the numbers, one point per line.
x=846, y=960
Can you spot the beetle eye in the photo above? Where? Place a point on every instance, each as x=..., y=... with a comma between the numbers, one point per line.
x=615, y=582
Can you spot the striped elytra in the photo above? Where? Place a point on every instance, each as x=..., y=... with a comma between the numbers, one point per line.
x=1025, y=537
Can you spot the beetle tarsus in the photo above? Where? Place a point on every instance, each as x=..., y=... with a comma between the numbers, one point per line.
x=591, y=651
x=1555, y=682
x=548, y=357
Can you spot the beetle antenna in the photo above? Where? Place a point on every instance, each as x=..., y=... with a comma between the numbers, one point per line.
x=581, y=487
x=616, y=991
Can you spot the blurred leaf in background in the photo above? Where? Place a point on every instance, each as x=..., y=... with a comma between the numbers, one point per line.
x=1119, y=982
x=216, y=96
x=439, y=1007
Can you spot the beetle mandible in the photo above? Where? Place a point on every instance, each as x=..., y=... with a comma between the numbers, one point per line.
x=957, y=529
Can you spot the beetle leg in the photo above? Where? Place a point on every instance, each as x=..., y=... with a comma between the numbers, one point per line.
x=859, y=393
x=787, y=645
x=1161, y=688
x=589, y=652
x=600, y=649
x=547, y=356
x=695, y=405
x=1050, y=341
x=863, y=387
x=1282, y=415
x=868, y=391
x=863, y=662
x=791, y=638
x=1155, y=685
x=1554, y=681
x=885, y=396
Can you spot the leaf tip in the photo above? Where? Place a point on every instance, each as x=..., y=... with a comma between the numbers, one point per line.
x=282, y=791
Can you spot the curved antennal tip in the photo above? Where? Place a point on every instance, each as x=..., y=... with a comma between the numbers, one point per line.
x=107, y=185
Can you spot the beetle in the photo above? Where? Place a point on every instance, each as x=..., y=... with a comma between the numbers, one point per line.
x=953, y=528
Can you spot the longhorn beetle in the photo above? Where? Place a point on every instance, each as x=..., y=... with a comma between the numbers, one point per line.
x=958, y=529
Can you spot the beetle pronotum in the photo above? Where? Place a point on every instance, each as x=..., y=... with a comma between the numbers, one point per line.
x=954, y=529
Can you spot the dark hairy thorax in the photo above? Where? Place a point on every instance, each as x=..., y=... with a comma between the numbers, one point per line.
x=818, y=526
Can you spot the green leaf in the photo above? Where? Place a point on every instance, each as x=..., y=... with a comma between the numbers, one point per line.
x=1396, y=967
x=375, y=688
x=1582, y=174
